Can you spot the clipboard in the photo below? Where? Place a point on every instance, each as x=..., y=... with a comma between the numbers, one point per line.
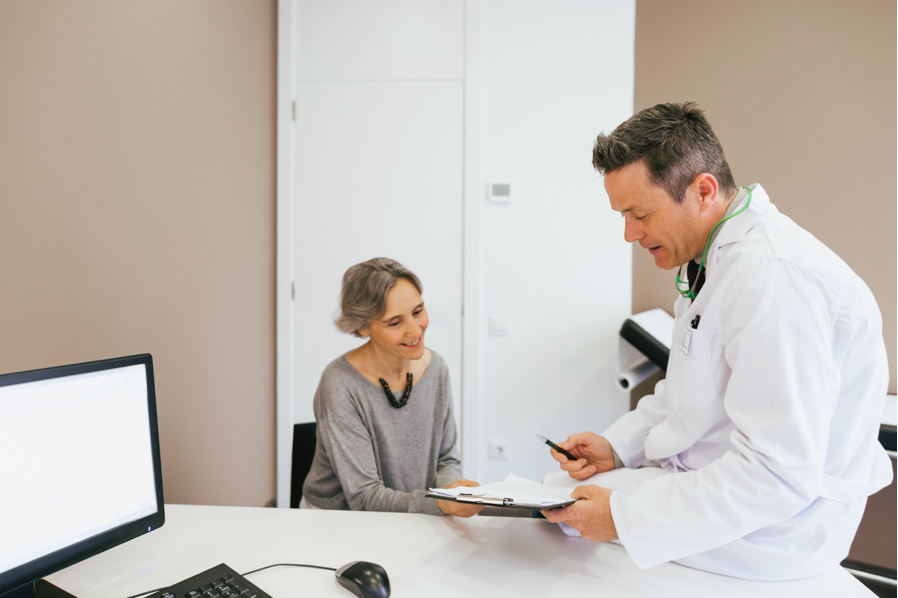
x=498, y=501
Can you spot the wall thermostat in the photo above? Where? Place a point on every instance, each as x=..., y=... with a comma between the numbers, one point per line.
x=500, y=192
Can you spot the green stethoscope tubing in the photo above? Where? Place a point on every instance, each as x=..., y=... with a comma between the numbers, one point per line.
x=689, y=293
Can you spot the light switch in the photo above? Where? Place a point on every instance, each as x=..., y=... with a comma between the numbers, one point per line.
x=500, y=325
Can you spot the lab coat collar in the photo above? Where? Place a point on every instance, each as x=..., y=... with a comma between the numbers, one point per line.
x=733, y=231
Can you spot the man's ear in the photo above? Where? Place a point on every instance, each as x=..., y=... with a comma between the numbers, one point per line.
x=705, y=189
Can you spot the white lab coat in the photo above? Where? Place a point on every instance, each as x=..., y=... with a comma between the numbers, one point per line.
x=767, y=426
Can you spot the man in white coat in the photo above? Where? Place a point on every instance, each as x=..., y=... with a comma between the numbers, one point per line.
x=756, y=455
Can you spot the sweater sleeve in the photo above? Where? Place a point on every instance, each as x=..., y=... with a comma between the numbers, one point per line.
x=449, y=463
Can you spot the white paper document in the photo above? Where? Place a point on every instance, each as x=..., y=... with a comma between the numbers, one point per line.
x=514, y=491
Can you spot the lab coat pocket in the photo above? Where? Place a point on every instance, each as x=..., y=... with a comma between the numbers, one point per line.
x=693, y=372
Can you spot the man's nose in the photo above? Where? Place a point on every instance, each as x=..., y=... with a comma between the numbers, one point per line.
x=632, y=232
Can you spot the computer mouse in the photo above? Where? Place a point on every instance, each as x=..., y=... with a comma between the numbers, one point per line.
x=364, y=579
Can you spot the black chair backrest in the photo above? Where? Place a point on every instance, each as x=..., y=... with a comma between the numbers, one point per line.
x=304, y=438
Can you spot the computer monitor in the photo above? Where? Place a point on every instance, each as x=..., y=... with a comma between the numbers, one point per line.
x=79, y=467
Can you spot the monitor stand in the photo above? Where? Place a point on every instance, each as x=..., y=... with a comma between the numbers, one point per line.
x=39, y=589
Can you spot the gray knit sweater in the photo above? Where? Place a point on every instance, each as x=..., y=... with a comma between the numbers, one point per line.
x=371, y=456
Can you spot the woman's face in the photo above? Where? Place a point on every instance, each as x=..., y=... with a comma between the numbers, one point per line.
x=400, y=331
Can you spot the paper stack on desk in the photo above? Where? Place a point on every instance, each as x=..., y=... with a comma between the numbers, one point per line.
x=514, y=492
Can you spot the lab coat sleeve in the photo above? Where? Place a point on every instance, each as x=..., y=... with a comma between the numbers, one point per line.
x=627, y=435
x=777, y=326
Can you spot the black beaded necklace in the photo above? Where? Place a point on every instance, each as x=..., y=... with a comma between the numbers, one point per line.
x=405, y=395
x=400, y=403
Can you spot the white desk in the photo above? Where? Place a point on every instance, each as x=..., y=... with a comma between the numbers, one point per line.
x=423, y=555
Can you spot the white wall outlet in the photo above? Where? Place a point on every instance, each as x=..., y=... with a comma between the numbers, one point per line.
x=500, y=192
x=499, y=450
x=500, y=325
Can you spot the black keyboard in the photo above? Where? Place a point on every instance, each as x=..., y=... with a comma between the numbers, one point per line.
x=218, y=582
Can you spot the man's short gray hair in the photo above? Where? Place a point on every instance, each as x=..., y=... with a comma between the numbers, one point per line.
x=363, y=297
x=675, y=141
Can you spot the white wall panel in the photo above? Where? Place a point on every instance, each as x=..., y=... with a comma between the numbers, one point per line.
x=378, y=173
x=382, y=39
x=555, y=74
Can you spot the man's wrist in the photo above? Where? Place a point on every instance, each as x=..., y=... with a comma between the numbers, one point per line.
x=618, y=463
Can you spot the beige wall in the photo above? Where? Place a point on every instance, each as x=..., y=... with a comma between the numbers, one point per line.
x=802, y=96
x=137, y=214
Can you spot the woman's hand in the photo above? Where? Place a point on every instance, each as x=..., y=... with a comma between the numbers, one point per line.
x=460, y=509
x=594, y=455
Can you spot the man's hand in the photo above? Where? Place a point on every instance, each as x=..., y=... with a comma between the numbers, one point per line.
x=594, y=455
x=590, y=516
x=459, y=509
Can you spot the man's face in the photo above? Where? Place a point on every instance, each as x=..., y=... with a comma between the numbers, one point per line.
x=670, y=231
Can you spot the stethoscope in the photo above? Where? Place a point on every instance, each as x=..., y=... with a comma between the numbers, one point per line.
x=688, y=293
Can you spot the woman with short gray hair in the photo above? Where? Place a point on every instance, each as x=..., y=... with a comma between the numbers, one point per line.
x=385, y=431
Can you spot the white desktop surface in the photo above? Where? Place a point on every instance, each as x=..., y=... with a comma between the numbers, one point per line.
x=423, y=555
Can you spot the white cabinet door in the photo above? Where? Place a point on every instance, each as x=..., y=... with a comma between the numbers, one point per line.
x=365, y=40
x=378, y=174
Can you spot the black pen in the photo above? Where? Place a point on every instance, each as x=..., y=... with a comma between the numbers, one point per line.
x=695, y=322
x=557, y=448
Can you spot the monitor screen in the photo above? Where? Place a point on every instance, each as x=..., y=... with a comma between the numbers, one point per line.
x=79, y=464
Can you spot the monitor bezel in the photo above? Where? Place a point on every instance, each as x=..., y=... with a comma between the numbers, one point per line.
x=65, y=557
